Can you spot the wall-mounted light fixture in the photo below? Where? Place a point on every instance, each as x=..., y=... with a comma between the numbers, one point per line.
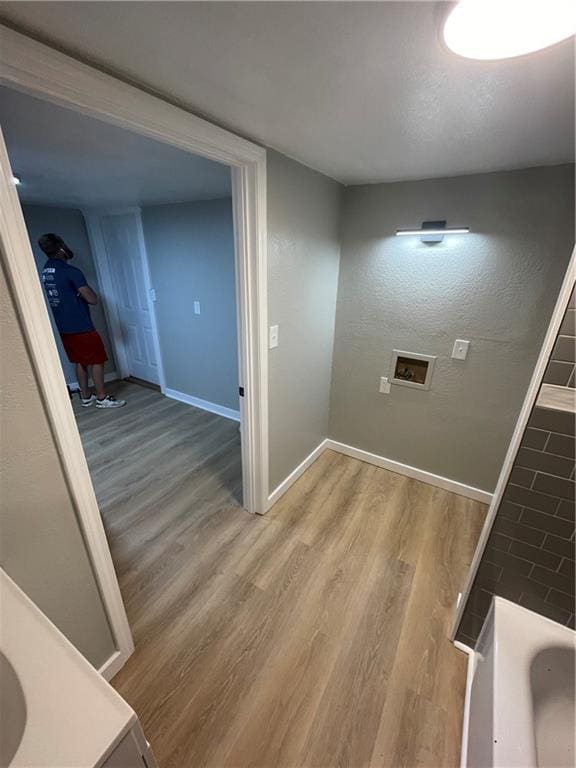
x=433, y=231
x=16, y=180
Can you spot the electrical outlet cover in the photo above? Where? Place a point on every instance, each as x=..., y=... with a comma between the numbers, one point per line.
x=460, y=349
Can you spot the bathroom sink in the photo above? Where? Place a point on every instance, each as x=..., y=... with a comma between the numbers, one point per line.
x=55, y=708
x=13, y=709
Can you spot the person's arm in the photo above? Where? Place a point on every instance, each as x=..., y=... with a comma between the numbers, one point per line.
x=81, y=284
x=89, y=296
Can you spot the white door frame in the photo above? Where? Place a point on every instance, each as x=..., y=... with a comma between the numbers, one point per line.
x=92, y=218
x=34, y=68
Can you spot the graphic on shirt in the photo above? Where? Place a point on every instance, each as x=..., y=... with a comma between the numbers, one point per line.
x=61, y=284
x=50, y=286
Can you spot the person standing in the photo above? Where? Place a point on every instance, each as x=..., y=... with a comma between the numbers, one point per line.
x=70, y=297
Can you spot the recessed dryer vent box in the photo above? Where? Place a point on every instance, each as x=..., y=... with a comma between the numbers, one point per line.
x=410, y=369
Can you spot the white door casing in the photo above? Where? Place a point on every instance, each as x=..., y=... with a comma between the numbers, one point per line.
x=37, y=69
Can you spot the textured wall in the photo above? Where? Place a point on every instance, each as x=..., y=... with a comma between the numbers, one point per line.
x=191, y=253
x=495, y=287
x=529, y=557
x=41, y=546
x=303, y=257
x=69, y=224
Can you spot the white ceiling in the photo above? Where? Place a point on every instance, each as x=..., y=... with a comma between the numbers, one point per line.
x=361, y=91
x=65, y=158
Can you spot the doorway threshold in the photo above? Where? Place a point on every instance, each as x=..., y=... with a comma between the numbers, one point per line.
x=142, y=383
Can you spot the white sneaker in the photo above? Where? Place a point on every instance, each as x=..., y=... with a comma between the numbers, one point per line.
x=86, y=401
x=110, y=402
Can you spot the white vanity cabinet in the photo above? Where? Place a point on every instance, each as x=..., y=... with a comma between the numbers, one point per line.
x=63, y=712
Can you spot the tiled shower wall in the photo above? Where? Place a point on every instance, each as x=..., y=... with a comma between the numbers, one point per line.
x=562, y=366
x=529, y=558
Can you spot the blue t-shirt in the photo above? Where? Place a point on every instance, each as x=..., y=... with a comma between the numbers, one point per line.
x=61, y=283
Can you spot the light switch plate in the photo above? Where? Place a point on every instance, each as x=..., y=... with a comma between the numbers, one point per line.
x=460, y=349
x=196, y=307
x=273, y=337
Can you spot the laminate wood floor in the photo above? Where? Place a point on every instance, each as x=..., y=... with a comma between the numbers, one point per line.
x=313, y=636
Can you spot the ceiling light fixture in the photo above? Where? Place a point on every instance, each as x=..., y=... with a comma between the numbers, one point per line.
x=16, y=180
x=502, y=29
x=433, y=231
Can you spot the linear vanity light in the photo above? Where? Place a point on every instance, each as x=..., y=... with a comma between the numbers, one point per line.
x=447, y=231
x=433, y=231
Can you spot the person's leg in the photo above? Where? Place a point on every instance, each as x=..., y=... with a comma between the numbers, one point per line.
x=94, y=349
x=98, y=379
x=82, y=376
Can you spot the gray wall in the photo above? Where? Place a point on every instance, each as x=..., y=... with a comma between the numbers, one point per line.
x=529, y=557
x=41, y=546
x=69, y=224
x=496, y=287
x=303, y=258
x=191, y=254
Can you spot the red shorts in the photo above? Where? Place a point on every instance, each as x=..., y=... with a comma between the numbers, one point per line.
x=84, y=348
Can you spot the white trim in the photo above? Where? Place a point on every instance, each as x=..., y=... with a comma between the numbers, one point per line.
x=296, y=473
x=34, y=68
x=205, y=405
x=477, y=494
x=379, y=461
x=112, y=666
x=44, y=72
x=518, y=434
x=250, y=238
x=108, y=377
x=470, y=669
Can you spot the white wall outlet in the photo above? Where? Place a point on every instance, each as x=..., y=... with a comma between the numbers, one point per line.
x=384, y=385
x=152, y=294
x=196, y=307
x=460, y=349
x=273, y=337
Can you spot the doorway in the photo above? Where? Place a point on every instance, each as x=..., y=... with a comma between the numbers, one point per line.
x=166, y=456
x=41, y=72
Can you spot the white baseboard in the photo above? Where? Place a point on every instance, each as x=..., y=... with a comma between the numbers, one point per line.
x=113, y=665
x=466, y=715
x=295, y=474
x=112, y=376
x=371, y=458
x=417, y=474
x=220, y=410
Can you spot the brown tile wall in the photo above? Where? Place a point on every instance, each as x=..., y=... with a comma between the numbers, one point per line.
x=562, y=365
x=529, y=558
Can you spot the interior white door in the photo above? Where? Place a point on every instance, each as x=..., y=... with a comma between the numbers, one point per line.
x=120, y=233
